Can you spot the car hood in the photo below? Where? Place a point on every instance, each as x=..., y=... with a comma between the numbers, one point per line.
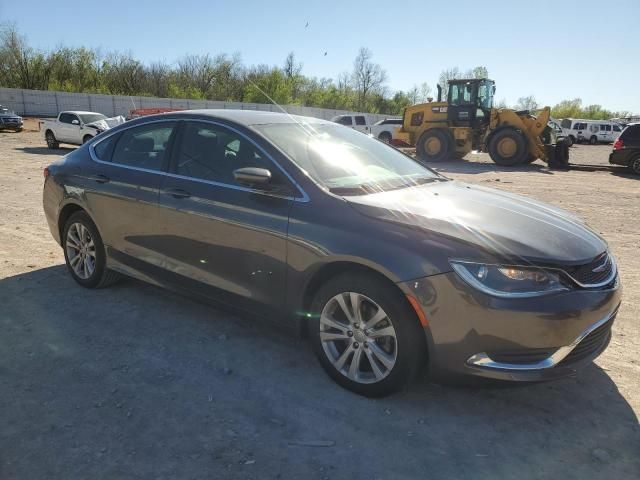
x=497, y=224
x=106, y=123
x=9, y=115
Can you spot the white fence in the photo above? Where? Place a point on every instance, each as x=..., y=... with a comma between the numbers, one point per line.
x=43, y=103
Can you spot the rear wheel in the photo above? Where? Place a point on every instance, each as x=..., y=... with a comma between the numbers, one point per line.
x=433, y=146
x=508, y=148
x=84, y=253
x=593, y=140
x=51, y=140
x=365, y=335
x=385, y=137
x=634, y=165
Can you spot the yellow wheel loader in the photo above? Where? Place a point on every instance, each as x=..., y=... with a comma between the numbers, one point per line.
x=468, y=121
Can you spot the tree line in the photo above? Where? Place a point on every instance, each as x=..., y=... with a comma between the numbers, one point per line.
x=224, y=77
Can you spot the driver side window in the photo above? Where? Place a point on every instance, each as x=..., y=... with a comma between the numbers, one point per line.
x=213, y=153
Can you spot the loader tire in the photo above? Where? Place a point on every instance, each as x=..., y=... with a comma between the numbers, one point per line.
x=508, y=148
x=433, y=146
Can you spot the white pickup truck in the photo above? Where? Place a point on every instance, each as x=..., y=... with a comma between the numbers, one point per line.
x=383, y=130
x=76, y=128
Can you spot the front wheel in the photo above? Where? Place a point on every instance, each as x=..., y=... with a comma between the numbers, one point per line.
x=508, y=148
x=365, y=335
x=570, y=140
x=84, y=253
x=86, y=138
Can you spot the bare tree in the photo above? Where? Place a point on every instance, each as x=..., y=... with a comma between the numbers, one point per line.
x=158, y=77
x=445, y=76
x=292, y=68
x=123, y=74
x=425, y=92
x=368, y=77
x=478, y=72
x=527, y=103
x=197, y=72
x=413, y=95
x=21, y=65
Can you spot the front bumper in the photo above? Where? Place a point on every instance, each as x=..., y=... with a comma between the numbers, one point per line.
x=522, y=339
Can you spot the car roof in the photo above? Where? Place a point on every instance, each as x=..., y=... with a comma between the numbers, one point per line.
x=248, y=117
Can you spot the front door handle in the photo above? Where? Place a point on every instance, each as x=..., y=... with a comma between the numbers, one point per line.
x=100, y=178
x=177, y=193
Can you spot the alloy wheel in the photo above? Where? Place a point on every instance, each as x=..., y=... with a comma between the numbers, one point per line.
x=81, y=250
x=358, y=337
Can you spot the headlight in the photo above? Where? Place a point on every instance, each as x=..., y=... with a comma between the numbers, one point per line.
x=509, y=281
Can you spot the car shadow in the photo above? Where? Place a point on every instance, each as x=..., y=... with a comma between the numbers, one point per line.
x=45, y=150
x=136, y=376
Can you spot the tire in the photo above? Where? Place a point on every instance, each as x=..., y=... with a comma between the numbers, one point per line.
x=508, y=148
x=593, y=140
x=396, y=357
x=433, y=146
x=81, y=227
x=385, y=137
x=86, y=138
x=571, y=140
x=634, y=165
x=52, y=143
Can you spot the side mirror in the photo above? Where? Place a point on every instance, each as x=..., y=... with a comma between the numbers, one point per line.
x=252, y=175
x=75, y=122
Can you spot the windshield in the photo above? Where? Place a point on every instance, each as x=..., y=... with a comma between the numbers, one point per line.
x=91, y=117
x=4, y=110
x=346, y=161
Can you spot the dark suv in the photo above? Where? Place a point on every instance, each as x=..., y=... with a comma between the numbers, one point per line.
x=9, y=120
x=626, y=149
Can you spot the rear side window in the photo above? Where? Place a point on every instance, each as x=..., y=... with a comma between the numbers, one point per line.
x=144, y=146
x=104, y=149
x=360, y=120
x=632, y=132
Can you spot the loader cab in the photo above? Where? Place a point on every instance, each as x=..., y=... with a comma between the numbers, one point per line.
x=470, y=101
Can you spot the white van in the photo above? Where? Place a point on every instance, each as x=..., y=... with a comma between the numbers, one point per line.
x=593, y=131
x=357, y=122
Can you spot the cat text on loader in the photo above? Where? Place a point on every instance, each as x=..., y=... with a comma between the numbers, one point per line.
x=467, y=121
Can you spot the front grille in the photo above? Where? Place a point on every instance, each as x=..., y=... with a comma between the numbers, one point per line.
x=593, y=342
x=532, y=355
x=585, y=274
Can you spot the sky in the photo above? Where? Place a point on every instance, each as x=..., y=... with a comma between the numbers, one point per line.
x=553, y=50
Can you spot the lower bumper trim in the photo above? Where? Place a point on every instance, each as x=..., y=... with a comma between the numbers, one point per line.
x=484, y=361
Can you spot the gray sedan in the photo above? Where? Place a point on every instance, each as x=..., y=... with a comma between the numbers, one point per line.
x=386, y=266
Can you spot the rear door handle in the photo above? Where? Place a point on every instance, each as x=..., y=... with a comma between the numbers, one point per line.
x=177, y=193
x=99, y=178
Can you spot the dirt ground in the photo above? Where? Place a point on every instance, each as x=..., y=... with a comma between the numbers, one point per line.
x=136, y=382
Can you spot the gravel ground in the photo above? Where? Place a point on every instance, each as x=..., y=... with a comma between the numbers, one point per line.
x=136, y=382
